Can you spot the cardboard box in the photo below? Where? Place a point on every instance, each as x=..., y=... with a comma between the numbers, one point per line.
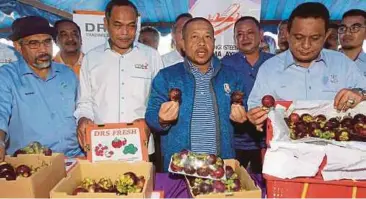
x=119, y=141
x=109, y=169
x=40, y=183
x=251, y=191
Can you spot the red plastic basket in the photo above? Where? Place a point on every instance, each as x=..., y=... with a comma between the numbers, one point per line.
x=314, y=187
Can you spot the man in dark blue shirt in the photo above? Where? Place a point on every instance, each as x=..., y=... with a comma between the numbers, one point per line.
x=247, y=35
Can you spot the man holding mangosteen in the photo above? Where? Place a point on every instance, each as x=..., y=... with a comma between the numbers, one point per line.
x=307, y=71
x=199, y=116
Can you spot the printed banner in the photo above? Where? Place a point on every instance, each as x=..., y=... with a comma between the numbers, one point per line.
x=223, y=15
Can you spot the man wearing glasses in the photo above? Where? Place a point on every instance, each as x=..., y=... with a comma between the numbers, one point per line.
x=352, y=33
x=37, y=95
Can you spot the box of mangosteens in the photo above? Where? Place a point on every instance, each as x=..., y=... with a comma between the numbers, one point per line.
x=106, y=179
x=238, y=184
x=30, y=175
x=309, y=121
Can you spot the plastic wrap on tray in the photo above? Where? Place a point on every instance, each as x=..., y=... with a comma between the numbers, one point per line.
x=199, y=165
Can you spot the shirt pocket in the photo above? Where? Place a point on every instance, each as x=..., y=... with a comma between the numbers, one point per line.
x=140, y=84
x=68, y=103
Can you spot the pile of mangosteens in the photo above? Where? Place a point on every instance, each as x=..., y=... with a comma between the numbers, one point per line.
x=201, y=186
x=129, y=182
x=336, y=128
x=199, y=165
x=9, y=172
x=34, y=148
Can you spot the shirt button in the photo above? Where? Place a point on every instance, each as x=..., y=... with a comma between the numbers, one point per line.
x=122, y=70
x=123, y=98
x=122, y=113
x=123, y=83
x=202, y=93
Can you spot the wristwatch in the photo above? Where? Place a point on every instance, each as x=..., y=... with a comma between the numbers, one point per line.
x=362, y=92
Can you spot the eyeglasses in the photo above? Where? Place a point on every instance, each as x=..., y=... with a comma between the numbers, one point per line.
x=353, y=29
x=35, y=44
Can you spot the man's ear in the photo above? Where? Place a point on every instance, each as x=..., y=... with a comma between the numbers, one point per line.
x=327, y=34
x=17, y=46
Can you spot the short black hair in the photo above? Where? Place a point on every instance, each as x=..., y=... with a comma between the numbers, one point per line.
x=310, y=10
x=184, y=15
x=150, y=29
x=184, y=30
x=333, y=25
x=283, y=22
x=57, y=23
x=113, y=3
x=244, y=18
x=354, y=13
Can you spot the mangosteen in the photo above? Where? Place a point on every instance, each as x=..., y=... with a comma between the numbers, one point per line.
x=335, y=122
x=19, y=151
x=23, y=170
x=175, y=94
x=203, y=171
x=360, y=118
x=320, y=118
x=313, y=125
x=294, y=117
x=105, y=184
x=196, y=191
x=189, y=169
x=8, y=175
x=6, y=167
x=342, y=135
x=219, y=186
x=79, y=190
x=218, y=173
x=316, y=133
x=268, y=101
x=47, y=151
x=175, y=168
x=211, y=159
x=346, y=123
x=132, y=176
x=237, y=98
x=236, y=185
x=205, y=188
x=229, y=172
x=140, y=182
x=301, y=127
x=307, y=118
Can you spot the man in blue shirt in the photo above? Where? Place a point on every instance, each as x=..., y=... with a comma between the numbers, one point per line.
x=201, y=121
x=307, y=71
x=247, y=34
x=352, y=33
x=37, y=95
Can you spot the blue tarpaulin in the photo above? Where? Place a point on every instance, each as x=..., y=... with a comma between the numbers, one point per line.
x=162, y=10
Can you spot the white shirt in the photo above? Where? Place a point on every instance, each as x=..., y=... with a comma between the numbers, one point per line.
x=115, y=88
x=8, y=54
x=172, y=58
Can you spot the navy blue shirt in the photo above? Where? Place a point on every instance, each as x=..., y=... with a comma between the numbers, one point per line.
x=250, y=139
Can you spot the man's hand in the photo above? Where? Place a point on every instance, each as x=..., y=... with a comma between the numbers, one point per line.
x=2, y=153
x=258, y=116
x=81, y=130
x=238, y=113
x=168, y=112
x=346, y=99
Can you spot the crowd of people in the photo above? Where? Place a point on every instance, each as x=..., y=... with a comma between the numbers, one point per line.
x=52, y=99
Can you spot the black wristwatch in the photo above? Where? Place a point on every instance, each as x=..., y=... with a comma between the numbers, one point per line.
x=362, y=92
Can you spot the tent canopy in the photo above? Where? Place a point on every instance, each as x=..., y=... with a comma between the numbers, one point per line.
x=160, y=13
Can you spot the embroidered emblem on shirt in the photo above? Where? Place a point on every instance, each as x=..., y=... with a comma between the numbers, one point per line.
x=29, y=93
x=227, y=88
x=63, y=85
x=141, y=66
x=333, y=79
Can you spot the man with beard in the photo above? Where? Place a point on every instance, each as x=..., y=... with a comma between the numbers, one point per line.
x=307, y=71
x=68, y=39
x=282, y=36
x=247, y=36
x=115, y=77
x=37, y=95
x=177, y=55
x=352, y=33
x=202, y=120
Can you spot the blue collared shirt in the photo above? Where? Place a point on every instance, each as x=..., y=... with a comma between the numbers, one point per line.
x=326, y=76
x=203, y=125
x=33, y=109
x=361, y=62
x=251, y=139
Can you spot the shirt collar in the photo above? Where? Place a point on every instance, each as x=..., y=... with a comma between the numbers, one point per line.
x=289, y=59
x=107, y=45
x=59, y=59
x=215, y=64
x=362, y=56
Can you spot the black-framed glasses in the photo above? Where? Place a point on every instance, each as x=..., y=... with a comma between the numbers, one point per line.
x=35, y=44
x=353, y=29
